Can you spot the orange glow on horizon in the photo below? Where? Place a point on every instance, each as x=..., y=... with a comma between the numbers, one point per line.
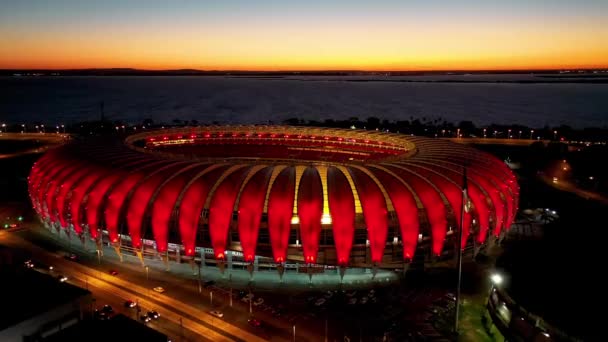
x=326, y=46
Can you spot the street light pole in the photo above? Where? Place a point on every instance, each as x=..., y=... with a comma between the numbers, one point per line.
x=459, y=247
x=294, y=333
x=230, y=282
x=211, y=298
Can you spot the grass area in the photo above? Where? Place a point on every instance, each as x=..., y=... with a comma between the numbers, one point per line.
x=472, y=327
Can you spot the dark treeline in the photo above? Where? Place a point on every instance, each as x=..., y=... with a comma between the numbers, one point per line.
x=438, y=127
x=430, y=127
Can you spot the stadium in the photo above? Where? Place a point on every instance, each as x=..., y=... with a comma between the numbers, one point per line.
x=271, y=197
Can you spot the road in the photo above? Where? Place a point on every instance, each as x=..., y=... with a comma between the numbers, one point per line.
x=185, y=289
x=46, y=140
x=564, y=185
x=114, y=289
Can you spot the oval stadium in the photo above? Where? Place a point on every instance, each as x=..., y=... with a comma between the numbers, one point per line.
x=266, y=198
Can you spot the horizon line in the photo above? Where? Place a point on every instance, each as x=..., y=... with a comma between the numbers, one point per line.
x=588, y=68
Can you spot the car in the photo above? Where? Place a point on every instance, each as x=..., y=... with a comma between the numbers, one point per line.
x=159, y=289
x=320, y=302
x=258, y=301
x=29, y=264
x=217, y=313
x=113, y=272
x=145, y=318
x=352, y=301
x=62, y=278
x=72, y=256
x=351, y=294
x=208, y=283
x=363, y=300
x=254, y=322
x=101, y=315
x=450, y=296
x=153, y=314
x=107, y=309
x=328, y=295
x=130, y=304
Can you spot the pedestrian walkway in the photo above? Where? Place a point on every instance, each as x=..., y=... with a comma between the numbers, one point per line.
x=239, y=278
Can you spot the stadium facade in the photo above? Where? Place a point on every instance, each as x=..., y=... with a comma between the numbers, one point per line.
x=275, y=194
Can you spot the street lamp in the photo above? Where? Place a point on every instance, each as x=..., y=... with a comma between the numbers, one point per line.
x=531, y=132
x=496, y=279
x=484, y=132
x=24, y=128
x=554, y=135
x=3, y=128
x=294, y=333
x=509, y=135
x=519, y=134
x=211, y=298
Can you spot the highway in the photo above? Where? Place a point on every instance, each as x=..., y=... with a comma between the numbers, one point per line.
x=115, y=290
x=571, y=187
x=46, y=141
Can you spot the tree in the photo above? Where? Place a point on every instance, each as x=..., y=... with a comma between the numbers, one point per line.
x=373, y=122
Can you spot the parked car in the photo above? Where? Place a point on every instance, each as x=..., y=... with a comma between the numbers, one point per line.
x=217, y=313
x=107, y=309
x=130, y=304
x=71, y=256
x=113, y=272
x=101, y=315
x=159, y=289
x=254, y=322
x=62, y=278
x=29, y=264
x=153, y=314
x=258, y=301
x=208, y=283
x=145, y=318
x=320, y=301
x=352, y=301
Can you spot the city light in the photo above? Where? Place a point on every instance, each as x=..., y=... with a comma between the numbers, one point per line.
x=496, y=279
x=295, y=219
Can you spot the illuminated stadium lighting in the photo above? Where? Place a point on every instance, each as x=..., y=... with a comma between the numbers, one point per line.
x=295, y=219
x=162, y=195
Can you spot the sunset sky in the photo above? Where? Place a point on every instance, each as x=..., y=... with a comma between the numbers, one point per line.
x=304, y=35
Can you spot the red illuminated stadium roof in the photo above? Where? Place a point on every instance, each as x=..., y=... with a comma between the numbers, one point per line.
x=169, y=183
